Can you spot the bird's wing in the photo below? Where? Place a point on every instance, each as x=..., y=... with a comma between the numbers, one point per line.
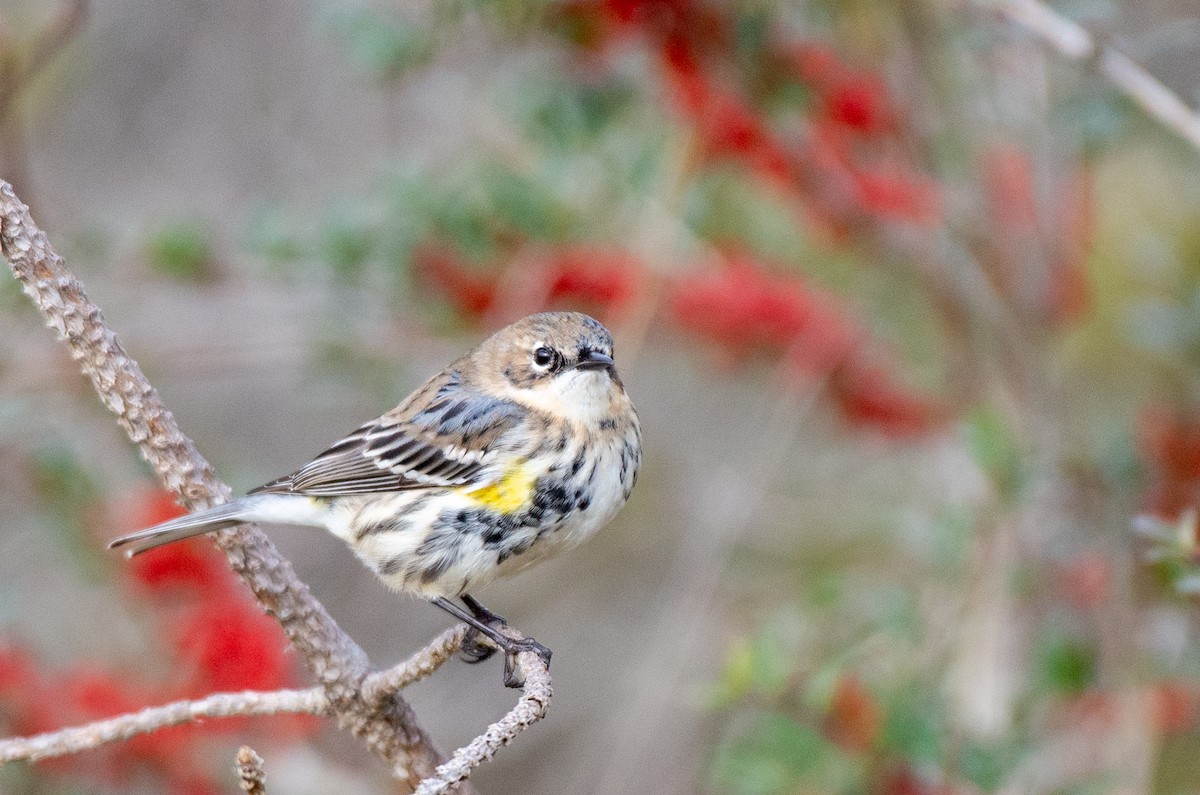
x=442, y=435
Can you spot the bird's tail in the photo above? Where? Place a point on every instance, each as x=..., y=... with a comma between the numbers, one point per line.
x=246, y=509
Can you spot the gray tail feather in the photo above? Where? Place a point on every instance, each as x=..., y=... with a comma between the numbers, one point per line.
x=216, y=518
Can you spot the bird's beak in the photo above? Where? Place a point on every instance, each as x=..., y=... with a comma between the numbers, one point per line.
x=594, y=360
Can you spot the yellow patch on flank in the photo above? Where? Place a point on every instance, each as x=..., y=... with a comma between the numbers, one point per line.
x=511, y=493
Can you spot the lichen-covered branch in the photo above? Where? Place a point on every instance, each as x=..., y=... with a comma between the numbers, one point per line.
x=530, y=708
x=336, y=660
x=377, y=688
x=219, y=705
x=251, y=777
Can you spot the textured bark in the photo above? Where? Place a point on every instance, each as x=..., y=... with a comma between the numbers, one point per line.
x=339, y=664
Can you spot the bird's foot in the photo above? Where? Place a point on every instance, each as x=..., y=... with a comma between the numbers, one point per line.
x=476, y=647
x=512, y=677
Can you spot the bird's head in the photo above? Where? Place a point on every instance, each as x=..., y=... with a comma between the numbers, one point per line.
x=561, y=362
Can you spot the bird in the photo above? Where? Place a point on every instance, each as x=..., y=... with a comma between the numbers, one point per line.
x=514, y=453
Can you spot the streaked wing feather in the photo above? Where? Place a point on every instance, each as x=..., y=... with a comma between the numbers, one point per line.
x=440, y=436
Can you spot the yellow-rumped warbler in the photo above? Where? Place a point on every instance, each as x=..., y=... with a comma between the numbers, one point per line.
x=516, y=452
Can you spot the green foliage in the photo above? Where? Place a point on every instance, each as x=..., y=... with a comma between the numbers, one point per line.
x=775, y=754
x=996, y=450
x=69, y=496
x=1066, y=664
x=915, y=723
x=382, y=46
x=270, y=235
x=182, y=250
x=346, y=243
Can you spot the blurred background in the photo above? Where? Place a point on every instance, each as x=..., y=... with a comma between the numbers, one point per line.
x=907, y=303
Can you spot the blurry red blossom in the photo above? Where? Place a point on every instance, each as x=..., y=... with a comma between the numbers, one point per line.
x=1086, y=580
x=596, y=279
x=193, y=563
x=1175, y=705
x=443, y=270
x=897, y=194
x=1169, y=445
x=602, y=278
x=859, y=102
x=854, y=718
x=232, y=645
x=1008, y=187
x=902, y=779
x=869, y=395
x=746, y=311
x=813, y=62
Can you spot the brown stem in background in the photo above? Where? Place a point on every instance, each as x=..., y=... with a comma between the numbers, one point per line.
x=17, y=71
x=1074, y=42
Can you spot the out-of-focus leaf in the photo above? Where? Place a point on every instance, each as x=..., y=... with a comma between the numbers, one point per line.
x=183, y=250
x=271, y=235
x=913, y=726
x=69, y=495
x=1097, y=115
x=996, y=450
x=777, y=755
x=384, y=48
x=346, y=243
x=1066, y=664
x=987, y=765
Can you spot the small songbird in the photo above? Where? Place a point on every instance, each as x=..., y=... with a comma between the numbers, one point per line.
x=514, y=453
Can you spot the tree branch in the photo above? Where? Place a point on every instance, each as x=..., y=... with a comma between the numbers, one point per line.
x=376, y=688
x=530, y=708
x=219, y=705
x=1076, y=43
x=338, y=663
x=251, y=777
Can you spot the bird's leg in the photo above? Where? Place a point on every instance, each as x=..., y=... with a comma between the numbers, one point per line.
x=511, y=647
x=481, y=612
x=473, y=649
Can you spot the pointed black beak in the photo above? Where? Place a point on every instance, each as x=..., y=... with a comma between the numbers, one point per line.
x=595, y=360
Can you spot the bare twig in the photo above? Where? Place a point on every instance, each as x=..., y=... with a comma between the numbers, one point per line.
x=381, y=685
x=376, y=688
x=530, y=708
x=219, y=705
x=339, y=664
x=1076, y=43
x=251, y=777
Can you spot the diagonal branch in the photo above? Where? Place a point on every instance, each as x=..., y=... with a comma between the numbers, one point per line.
x=338, y=663
x=1074, y=42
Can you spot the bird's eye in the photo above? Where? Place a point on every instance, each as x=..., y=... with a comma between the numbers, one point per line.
x=544, y=357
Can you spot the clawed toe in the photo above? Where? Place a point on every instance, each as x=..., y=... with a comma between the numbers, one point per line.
x=475, y=648
x=512, y=677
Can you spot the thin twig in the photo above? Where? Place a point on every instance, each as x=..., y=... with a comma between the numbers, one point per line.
x=251, y=777
x=377, y=688
x=340, y=665
x=382, y=684
x=1077, y=44
x=123, y=727
x=530, y=708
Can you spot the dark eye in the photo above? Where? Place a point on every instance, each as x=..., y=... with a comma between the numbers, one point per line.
x=544, y=357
